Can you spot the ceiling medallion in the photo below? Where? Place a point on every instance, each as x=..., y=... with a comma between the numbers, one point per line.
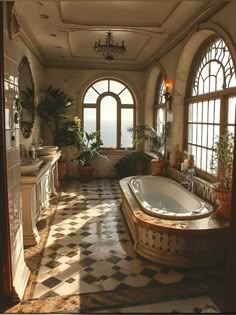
x=109, y=50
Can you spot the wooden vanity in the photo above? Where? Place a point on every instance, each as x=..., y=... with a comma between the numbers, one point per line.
x=36, y=191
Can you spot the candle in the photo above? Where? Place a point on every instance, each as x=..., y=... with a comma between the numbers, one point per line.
x=185, y=164
x=182, y=167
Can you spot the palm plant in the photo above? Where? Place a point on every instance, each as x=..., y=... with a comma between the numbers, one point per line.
x=52, y=109
x=146, y=134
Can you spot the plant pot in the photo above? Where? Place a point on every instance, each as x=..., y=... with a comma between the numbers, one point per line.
x=224, y=198
x=85, y=172
x=61, y=169
x=158, y=167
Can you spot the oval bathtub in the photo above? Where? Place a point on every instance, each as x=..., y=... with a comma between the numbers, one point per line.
x=164, y=198
x=192, y=239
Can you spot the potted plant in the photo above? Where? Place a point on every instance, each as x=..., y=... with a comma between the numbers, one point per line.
x=146, y=134
x=89, y=149
x=52, y=109
x=136, y=163
x=69, y=135
x=222, y=163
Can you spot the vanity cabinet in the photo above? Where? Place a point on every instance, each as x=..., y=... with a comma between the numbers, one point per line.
x=36, y=193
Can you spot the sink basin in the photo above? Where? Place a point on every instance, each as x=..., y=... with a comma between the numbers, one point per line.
x=47, y=150
x=30, y=167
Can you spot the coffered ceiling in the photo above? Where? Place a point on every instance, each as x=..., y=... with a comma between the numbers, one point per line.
x=63, y=33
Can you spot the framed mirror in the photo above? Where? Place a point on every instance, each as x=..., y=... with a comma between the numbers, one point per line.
x=26, y=97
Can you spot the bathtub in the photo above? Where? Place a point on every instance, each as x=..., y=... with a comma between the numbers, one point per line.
x=186, y=235
x=164, y=198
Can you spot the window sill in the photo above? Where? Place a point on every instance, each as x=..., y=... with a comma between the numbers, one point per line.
x=117, y=151
x=151, y=154
x=210, y=181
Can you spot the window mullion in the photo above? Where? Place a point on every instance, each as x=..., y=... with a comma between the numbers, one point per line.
x=118, y=136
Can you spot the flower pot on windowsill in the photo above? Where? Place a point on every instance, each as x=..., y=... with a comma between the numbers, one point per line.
x=224, y=198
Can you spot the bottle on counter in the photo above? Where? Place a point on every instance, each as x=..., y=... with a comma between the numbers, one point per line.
x=32, y=152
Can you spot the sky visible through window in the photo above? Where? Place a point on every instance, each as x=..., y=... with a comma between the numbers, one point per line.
x=107, y=100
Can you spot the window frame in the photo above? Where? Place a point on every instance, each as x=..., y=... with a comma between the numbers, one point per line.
x=223, y=95
x=120, y=106
x=157, y=103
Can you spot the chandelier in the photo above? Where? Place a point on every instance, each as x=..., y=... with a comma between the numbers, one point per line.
x=109, y=50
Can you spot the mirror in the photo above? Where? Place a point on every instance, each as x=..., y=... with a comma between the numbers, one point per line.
x=27, y=97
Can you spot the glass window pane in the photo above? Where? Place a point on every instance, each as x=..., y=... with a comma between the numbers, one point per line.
x=127, y=121
x=216, y=132
x=194, y=112
x=209, y=162
x=89, y=119
x=190, y=112
x=91, y=96
x=212, y=83
x=126, y=97
x=194, y=151
x=231, y=110
x=204, y=159
x=101, y=86
x=198, y=158
x=204, y=135
x=199, y=134
x=205, y=111
x=108, y=121
x=211, y=112
x=199, y=112
x=190, y=133
x=217, y=111
x=210, y=136
x=116, y=87
x=194, y=140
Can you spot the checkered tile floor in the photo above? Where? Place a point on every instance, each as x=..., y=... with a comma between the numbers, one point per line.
x=89, y=248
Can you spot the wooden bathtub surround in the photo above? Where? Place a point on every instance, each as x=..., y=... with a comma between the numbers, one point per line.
x=183, y=243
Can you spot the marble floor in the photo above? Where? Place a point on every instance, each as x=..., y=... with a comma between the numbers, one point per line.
x=85, y=261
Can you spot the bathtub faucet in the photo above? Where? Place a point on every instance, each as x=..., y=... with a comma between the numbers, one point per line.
x=189, y=183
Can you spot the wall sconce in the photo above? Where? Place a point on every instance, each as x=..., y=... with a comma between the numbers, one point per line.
x=167, y=94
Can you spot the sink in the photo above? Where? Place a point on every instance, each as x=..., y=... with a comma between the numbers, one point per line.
x=30, y=166
x=46, y=150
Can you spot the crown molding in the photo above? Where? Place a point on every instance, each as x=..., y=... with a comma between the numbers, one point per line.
x=201, y=16
x=28, y=38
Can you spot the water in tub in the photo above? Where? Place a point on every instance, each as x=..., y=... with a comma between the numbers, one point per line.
x=165, y=203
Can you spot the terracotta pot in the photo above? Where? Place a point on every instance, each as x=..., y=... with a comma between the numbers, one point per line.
x=85, y=172
x=158, y=167
x=224, y=198
x=61, y=170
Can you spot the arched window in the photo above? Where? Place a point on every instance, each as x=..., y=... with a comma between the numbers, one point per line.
x=212, y=101
x=109, y=106
x=160, y=107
